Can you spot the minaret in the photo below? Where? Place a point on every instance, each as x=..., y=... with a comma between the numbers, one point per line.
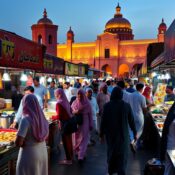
x=45, y=32
x=70, y=41
x=161, y=31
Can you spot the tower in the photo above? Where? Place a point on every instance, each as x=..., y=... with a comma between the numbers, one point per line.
x=45, y=32
x=161, y=31
x=70, y=41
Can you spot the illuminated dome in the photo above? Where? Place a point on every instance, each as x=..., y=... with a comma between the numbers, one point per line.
x=119, y=25
x=45, y=20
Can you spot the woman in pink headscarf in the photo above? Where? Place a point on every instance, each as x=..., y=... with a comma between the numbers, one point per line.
x=63, y=110
x=82, y=106
x=32, y=132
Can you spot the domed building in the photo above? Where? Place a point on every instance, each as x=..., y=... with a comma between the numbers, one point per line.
x=114, y=51
x=119, y=25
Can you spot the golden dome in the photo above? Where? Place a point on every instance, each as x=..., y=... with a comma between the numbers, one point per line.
x=119, y=25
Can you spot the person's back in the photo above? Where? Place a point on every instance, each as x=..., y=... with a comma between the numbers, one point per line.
x=138, y=105
x=136, y=102
x=117, y=122
x=117, y=115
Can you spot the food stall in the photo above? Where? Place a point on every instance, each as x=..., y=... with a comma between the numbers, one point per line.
x=16, y=55
x=52, y=67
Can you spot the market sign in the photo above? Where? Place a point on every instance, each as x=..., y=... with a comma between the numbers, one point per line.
x=53, y=65
x=18, y=52
x=81, y=70
x=90, y=74
x=71, y=69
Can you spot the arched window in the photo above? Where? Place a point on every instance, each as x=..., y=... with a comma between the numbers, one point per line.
x=40, y=39
x=50, y=39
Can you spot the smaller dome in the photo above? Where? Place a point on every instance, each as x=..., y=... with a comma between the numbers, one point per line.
x=45, y=20
x=162, y=25
x=70, y=31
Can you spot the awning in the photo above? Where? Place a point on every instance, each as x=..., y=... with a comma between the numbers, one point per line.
x=158, y=61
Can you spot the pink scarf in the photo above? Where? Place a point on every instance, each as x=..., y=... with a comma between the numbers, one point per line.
x=82, y=104
x=63, y=100
x=33, y=112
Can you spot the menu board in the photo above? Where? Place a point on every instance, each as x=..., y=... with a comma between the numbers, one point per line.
x=160, y=93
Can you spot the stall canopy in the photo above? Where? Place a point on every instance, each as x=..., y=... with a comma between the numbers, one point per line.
x=94, y=73
x=19, y=52
x=167, y=58
x=153, y=51
x=53, y=65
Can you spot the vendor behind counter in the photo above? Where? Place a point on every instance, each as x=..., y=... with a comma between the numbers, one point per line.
x=11, y=92
x=170, y=96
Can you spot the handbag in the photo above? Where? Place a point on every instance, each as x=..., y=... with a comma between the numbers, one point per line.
x=69, y=126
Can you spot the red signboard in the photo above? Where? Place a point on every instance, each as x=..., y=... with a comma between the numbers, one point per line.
x=18, y=52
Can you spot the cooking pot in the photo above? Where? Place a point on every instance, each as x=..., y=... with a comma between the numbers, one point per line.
x=5, y=121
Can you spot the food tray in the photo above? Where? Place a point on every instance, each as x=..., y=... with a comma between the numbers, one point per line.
x=7, y=136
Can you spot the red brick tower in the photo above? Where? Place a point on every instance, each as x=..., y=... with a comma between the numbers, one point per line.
x=45, y=32
x=161, y=31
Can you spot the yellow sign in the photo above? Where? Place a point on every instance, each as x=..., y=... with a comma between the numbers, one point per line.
x=71, y=69
x=8, y=48
x=160, y=94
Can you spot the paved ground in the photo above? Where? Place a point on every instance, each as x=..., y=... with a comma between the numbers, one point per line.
x=95, y=163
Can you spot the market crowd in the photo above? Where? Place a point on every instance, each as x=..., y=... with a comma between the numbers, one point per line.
x=110, y=111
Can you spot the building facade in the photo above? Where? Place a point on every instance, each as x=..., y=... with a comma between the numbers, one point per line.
x=114, y=51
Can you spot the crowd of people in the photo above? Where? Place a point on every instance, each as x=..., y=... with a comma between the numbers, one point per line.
x=111, y=111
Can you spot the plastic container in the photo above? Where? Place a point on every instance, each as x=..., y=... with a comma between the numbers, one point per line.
x=8, y=103
x=5, y=121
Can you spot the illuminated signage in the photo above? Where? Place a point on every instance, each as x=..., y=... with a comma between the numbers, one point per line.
x=71, y=69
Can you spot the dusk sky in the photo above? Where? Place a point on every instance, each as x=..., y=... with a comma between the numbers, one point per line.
x=86, y=17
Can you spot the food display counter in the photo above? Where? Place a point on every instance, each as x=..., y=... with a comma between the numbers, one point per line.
x=8, y=151
x=159, y=113
x=171, y=154
x=153, y=127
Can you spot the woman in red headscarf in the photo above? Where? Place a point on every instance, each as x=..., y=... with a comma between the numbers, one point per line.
x=33, y=130
x=148, y=131
x=63, y=110
x=82, y=106
x=148, y=95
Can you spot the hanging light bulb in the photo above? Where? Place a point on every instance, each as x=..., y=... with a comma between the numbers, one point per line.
x=49, y=79
x=154, y=74
x=6, y=76
x=23, y=77
x=167, y=76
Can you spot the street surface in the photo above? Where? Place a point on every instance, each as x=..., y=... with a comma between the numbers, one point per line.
x=95, y=163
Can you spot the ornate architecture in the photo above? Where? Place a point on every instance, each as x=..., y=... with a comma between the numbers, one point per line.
x=45, y=32
x=114, y=51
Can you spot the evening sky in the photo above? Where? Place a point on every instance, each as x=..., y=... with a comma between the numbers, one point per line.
x=86, y=17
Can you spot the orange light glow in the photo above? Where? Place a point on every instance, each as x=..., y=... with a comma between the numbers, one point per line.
x=123, y=69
